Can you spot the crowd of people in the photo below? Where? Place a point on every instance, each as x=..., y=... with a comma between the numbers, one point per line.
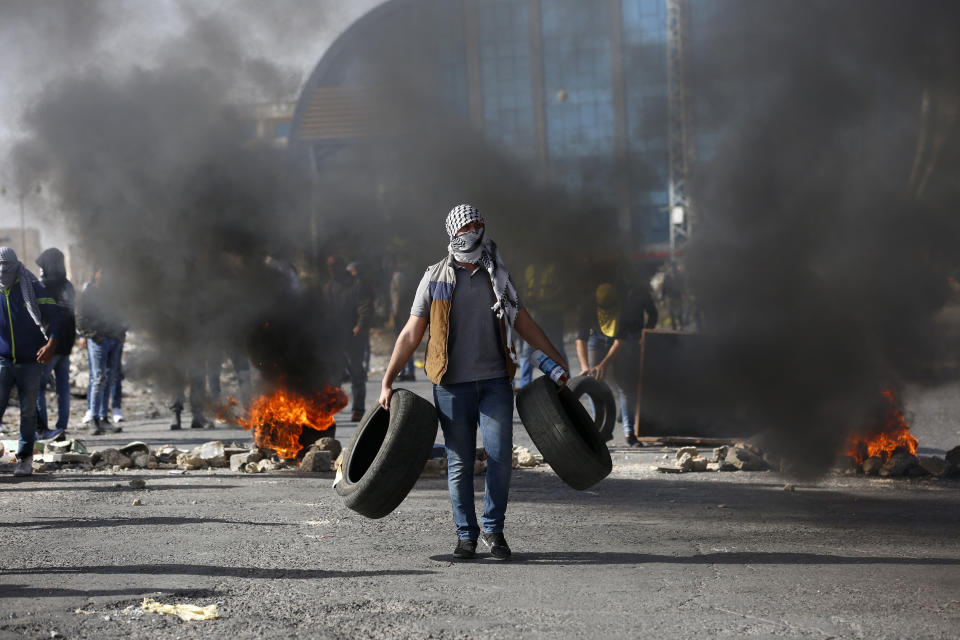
x=47, y=318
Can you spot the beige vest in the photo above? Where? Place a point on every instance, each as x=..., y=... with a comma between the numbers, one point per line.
x=442, y=280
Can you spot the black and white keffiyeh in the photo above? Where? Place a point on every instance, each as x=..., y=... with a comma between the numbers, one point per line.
x=475, y=248
x=11, y=269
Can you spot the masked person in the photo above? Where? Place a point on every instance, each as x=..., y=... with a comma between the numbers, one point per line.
x=29, y=328
x=53, y=276
x=471, y=305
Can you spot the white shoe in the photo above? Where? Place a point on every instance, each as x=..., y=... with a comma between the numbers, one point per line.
x=24, y=467
x=87, y=417
x=118, y=416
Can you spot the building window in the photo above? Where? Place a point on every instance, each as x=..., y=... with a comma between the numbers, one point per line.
x=577, y=78
x=503, y=30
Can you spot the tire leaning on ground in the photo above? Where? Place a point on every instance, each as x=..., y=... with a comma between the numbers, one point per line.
x=604, y=406
x=564, y=433
x=387, y=454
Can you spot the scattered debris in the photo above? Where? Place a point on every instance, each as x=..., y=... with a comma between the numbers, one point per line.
x=137, y=503
x=187, y=612
x=435, y=468
x=240, y=460
x=316, y=461
x=523, y=458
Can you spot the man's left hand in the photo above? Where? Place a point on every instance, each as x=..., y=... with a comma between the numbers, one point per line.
x=45, y=354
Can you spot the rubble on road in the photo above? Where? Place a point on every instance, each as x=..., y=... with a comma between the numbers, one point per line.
x=750, y=456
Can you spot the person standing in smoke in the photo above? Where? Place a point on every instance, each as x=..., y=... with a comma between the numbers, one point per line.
x=470, y=302
x=608, y=343
x=30, y=326
x=103, y=333
x=53, y=276
x=350, y=309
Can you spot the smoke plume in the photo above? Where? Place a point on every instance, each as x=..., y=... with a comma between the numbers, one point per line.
x=828, y=213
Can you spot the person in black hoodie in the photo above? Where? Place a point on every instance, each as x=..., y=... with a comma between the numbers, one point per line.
x=53, y=276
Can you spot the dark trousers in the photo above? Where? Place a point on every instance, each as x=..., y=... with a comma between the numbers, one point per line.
x=355, y=354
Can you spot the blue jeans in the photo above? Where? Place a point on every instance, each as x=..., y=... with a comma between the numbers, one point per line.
x=618, y=376
x=26, y=377
x=60, y=366
x=103, y=357
x=115, y=394
x=460, y=408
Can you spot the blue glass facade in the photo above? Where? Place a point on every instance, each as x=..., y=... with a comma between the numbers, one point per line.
x=568, y=86
x=503, y=28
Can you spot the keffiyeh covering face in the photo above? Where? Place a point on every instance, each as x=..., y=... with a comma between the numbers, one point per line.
x=475, y=248
x=12, y=269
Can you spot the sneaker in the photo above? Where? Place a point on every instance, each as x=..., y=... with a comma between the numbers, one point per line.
x=632, y=440
x=94, y=429
x=87, y=417
x=50, y=435
x=497, y=545
x=24, y=467
x=466, y=549
x=117, y=415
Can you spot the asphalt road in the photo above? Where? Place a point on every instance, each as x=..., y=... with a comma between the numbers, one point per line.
x=640, y=554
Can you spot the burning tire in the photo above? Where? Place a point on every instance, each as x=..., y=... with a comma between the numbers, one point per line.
x=386, y=454
x=604, y=406
x=564, y=433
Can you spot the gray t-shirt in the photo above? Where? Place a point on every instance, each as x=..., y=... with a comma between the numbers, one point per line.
x=474, y=351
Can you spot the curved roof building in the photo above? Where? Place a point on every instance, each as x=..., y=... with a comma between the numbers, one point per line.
x=575, y=90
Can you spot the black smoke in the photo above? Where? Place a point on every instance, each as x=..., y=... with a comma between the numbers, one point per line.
x=828, y=216
x=157, y=175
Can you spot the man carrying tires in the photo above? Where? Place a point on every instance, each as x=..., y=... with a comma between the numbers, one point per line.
x=471, y=305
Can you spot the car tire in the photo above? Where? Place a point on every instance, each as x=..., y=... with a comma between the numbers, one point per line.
x=604, y=405
x=387, y=454
x=564, y=433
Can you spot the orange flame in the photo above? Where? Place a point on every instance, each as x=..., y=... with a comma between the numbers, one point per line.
x=882, y=440
x=279, y=418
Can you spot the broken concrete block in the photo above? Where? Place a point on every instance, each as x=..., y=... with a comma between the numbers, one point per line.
x=267, y=465
x=871, y=466
x=687, y=451
x=213, y=453
x=131, y=449
x=720, y=454
x=328, y=444
x=691, y=462
x=238, y=461
x=713, y=466
x=934, y=465
x=66, y=458
x=190, y=461
x=745, y=460
x=898, y=464
x=111, y=458
x=168, y=453
x=316, y=461
x=523, y=458
x=727, y=466
x=251, y=467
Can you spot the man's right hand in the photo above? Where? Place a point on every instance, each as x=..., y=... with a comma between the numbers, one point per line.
x=385, y=391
